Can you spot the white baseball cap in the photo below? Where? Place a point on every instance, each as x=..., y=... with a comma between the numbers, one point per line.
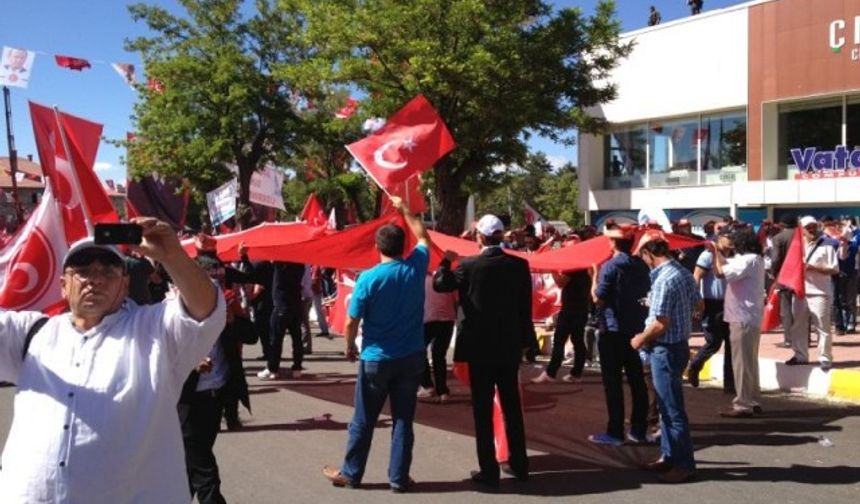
x=489, y=225
x=807, y=220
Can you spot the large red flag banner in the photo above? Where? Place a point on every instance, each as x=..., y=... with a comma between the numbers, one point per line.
x=31, y=262
x=411, y=141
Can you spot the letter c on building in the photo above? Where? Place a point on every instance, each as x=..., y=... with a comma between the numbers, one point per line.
x=837, y=42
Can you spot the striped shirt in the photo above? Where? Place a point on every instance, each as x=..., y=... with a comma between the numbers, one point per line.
x=673, y=294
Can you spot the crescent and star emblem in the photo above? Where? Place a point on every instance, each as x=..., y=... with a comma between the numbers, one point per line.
x=407, y=144
x=32, y=276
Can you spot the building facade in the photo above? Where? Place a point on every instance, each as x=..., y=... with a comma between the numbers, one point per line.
x=751, y=110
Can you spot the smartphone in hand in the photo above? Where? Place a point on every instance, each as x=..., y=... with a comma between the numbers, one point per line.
x=118, y=233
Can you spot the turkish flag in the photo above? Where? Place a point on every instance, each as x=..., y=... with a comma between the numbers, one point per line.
x=532, y=216
x=411, y=141
x=793, y=271
x=338, y=315
x=63, y=167
x=31, y=262
x=410, y=192
x=770, y=319
x=313, y=212
x=72, y=63
x=155, y=85
x=546, y=301
x=348, y=109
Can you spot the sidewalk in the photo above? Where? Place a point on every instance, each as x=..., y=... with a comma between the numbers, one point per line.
x=842, y=382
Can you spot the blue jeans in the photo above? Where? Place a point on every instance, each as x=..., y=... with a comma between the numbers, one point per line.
x=378, y=380
x=667, y=366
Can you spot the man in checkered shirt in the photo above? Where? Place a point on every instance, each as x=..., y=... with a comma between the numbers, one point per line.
x=672, y=302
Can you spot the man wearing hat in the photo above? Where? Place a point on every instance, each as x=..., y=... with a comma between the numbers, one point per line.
x=821, y=264
x=95, y=411
x=496, y=297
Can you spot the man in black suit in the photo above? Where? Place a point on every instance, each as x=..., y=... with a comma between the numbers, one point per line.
x=496, y=296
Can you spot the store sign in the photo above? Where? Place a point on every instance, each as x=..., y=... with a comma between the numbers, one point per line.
x=838, y=40
x=813, y=163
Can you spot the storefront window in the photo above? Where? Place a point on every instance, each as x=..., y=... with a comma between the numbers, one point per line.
x=724, y=148
x=805, y=125
x=673, y=148
x=625, y=157
x=852, y=120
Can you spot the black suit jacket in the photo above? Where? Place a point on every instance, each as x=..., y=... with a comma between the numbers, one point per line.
x=496, y=296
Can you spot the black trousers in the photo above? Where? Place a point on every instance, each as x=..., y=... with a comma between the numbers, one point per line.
x=437, y=334
x=617, y=357
x=570, y=325
x=283, y=321
x=716, y=332
x=263, y=324
x=484, y=378
x=201, y=420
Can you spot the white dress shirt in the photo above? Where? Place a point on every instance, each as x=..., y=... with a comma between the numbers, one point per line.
x=744, y=276
x=95, y=412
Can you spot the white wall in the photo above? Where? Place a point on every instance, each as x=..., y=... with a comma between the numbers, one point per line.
x=693, y=65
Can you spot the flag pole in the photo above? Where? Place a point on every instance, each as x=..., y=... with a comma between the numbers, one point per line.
x=75, y=180
x=13, y=157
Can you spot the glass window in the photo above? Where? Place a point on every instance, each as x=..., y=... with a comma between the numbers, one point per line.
x=625, y=155
x=805, y=125
x=724, y=148
x=674, y=153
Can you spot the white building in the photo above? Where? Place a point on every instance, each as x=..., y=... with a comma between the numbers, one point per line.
x=751, y=110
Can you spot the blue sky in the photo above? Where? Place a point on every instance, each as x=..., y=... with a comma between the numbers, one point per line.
x=95, y=30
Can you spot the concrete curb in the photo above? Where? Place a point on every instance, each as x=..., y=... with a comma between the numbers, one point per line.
x=841, y=384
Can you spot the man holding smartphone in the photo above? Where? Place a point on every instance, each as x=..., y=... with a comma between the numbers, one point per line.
x=95, y=410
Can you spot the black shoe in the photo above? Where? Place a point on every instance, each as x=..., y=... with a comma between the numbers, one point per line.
x=506, y=468
x=482, y=479
x=757, y=410
x=234, y=424
x=322, y=335
x=403, y=488
x=840, y=332
x=795, y=362
x=693, y=377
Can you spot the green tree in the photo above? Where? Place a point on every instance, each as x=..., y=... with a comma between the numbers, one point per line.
x=497, y=71
x=217, y=101
x=552, y=192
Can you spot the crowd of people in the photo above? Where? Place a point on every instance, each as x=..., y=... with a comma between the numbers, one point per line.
x=163, y=335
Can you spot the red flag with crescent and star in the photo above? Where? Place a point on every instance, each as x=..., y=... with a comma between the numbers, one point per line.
x=83, y=139
x=411, y=142
x=313, y=212
x=338, y=314
x=72, y=63
x=31, y=262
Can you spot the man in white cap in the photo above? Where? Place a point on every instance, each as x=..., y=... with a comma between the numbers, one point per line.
x=95, y=411
x=821, y=264
x=496, y=296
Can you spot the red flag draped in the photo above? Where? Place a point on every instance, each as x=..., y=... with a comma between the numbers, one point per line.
x=72, y=63
x=411, y=141
x=83, y=140
x=793, y=272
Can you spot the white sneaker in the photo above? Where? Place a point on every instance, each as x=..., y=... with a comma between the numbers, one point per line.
x=267, y=375
x=424, y=393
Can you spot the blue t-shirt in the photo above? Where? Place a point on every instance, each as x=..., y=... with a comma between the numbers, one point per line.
x=848, y=265
x=390, y=299
x=712, y=287
x=623, y=283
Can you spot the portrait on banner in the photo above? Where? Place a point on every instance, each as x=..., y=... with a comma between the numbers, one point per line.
x=15, y=66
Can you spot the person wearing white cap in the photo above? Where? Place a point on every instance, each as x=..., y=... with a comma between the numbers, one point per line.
x=821, y=264
x=496, y=297
x=95, y=411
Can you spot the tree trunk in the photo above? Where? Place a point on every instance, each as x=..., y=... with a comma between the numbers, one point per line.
x=452, y=201
x=244, y=215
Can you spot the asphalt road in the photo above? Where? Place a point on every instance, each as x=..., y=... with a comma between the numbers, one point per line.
x=298, y=426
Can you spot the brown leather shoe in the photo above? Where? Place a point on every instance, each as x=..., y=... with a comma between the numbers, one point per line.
x=659, y=465
x=676, y=475
x=337, y=479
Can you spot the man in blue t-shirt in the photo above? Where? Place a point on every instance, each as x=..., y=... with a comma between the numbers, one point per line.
x=389, y=298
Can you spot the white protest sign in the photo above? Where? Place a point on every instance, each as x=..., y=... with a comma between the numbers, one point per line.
x=266, y=187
